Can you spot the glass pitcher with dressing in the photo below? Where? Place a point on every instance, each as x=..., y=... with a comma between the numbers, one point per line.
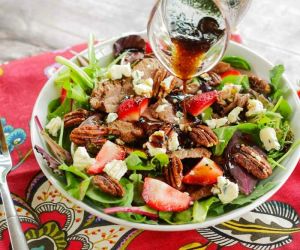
x=190, y=36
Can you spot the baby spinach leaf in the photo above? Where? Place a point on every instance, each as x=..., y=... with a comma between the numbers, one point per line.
x=200, y=208
x=55, y=108
x=236, y=80
x=237, y=62
x=283, y=107
x=74, y=170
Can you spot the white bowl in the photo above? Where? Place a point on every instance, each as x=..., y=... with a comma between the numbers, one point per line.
x=260, y=66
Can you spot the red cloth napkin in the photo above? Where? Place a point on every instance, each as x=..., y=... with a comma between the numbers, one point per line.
x=50, y=221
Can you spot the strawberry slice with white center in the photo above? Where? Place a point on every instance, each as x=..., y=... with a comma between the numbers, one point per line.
x=206, y=172
x=109, y=151
x=131, y=109
x=162, y=197
x=195, y=105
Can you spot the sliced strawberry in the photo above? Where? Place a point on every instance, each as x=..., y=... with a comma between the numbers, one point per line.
x=131, y=109
x=63, y=95
x=205, y=172
x=162, y=197
x=196, y=104
x=236, y=37
x=148, y=48
x=231, y=72
x=108, y=152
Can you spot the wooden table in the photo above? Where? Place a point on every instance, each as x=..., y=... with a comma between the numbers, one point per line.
x=28, y=27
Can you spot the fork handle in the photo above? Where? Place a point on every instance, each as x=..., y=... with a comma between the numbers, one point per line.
x=17, y=237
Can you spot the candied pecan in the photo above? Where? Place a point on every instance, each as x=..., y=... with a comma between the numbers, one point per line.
x=221, y=67
x=259, y=85
x=202, y=135
x=214, y=79
x=199, y=192
x=161, y=90
x=173, y=173
x=75, y=117
x=254, y=162
x=87, y=134
x=108, y=185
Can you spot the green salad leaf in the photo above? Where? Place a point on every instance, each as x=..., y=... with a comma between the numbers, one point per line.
x=207, y=114
x=283, y=107
x=74, y=170
x=201, y=208
x=276, y=80
x=225, y=133
x=55, y=108
x=237, y=62
x=242, y=80
x=263, y=187
x=137, y=180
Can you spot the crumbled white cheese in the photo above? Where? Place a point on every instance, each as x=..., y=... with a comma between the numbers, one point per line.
x=116, y=169
x=111, y=117
x=117, y=71
x=141, y=86
x=254, y=107
x=173, y=142
x=54, y=125
x=216, y=123
x=157, y=150
x=81, y=158
x=233, y=116
x=166, y=83
x=233, y=88
x=226, y=190
x=268, y=137
x=179, y=114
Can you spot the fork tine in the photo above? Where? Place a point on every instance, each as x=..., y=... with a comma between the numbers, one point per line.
x=4, y=148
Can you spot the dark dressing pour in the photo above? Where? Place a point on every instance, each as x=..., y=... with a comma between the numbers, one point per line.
x=190, y=46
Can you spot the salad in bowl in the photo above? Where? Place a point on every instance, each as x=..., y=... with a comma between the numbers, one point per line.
x=124, y=138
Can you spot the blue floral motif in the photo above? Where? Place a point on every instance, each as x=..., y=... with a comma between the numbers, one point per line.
x=14, y=137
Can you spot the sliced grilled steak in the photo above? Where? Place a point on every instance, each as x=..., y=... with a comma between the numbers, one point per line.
x=191, y=153
x=108, y=95
x=126, y=131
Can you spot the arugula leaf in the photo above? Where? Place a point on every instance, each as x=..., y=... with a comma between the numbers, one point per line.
x=200, y=208
x=283, y=107
x=225, y=133
x=237, y=62
x=137, y=180
x=55, y=108
x=76, y=69
x=276, y=75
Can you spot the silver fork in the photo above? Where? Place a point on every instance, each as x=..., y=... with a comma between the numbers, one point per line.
x=17, y=237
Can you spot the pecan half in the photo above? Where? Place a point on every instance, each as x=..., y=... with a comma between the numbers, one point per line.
x=215, y=79
x=173, y=173
x=254, y=162
x=75, y=117
x=88, y=134
x=160, y=88
x=259, y=85
x=221, y=67
x=108, y=185
x=199, y=192
x=202, y=135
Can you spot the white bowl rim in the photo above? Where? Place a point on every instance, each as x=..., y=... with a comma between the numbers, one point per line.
x=182, y=227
